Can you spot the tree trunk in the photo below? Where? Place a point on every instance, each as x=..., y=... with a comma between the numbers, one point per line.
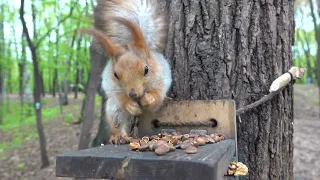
x=225, y=49
x=37, y=89
x=42, y=85
x=76, y=88
x=49, y=81
x=3, y=93
x=317, y=36
x=65, y=81
x=28, y=91
x=57, y=73
x=54, y=82
x=102, y=136
x=89, y=105
x=2, y=69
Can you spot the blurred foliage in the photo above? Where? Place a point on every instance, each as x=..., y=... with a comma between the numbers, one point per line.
x=47, y=15
x=305, y=47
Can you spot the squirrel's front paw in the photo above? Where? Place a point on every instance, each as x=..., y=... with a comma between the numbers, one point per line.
x=133, y=108
x=148, y=99
x=118, y=139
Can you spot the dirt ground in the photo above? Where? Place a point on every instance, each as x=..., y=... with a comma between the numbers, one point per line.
x=306, y=133
x=306, y=142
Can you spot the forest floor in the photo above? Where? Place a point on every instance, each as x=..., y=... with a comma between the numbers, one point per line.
x=23, y=161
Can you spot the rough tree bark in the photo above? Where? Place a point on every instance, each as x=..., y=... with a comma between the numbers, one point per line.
x=226, y=49
x=37, y=88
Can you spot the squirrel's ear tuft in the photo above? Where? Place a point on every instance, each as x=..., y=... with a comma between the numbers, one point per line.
x=112, y=49
x=138, y=40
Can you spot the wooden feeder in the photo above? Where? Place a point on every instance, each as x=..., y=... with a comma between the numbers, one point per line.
x=119, y=162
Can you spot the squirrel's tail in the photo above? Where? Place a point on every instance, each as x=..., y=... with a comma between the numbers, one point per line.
x=144, y=13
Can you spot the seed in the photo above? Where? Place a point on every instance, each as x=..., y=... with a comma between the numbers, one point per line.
x=210, y=140
x=191, y=150
x=145, y=139
x=222, y=136
x=173, y=141
x=212, y=135
x=158, y=143
x=165, y=138
x=185, y=137
x=185, y=145
x=193, y=135
x=134, y=145
x=162, y=150
x=151, y=145
x=171, y=146
x=195, y=144
x=201, y=141
x=216, y=138
x=143, y=147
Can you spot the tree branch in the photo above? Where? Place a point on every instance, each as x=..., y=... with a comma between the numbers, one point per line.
x=58, y=24
x=277, y=86
x=259, y=102
x=25, y=29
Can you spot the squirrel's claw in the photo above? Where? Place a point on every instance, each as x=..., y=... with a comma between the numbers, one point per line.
x=118, y=139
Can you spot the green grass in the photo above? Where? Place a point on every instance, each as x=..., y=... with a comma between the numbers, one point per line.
x=22, y=129
x=12, y=119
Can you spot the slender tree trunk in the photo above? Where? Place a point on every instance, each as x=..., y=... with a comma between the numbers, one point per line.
x=49, y=81
x=78, y=70
x=317, y=36
x=54, y=82
x=226, y=49
x=27, y=90
x=76, y=88
x=37, y=89
x=42, y=85
x=92, y=86
x=102, y=136
x=9, y=81
x=2, y=69
x=3, y=93
x=57, y=73
x=306, y=48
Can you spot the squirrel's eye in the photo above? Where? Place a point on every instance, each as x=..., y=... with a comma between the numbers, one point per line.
x=146, y=70
x=115, y=75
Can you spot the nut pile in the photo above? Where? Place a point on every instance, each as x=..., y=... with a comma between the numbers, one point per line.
x=237, y=169
x=164, y=143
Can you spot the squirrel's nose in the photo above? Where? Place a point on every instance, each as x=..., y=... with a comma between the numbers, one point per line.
x=132, y=94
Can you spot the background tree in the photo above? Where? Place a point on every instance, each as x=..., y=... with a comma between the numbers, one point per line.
x=315, y=16
x=2, y=69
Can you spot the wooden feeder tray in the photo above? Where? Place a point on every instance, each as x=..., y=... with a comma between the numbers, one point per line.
x=119, y=162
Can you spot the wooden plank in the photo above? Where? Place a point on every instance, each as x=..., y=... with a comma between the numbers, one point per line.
x=116, y=162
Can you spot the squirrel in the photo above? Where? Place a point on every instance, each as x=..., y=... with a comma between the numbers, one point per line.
x=137, y=75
